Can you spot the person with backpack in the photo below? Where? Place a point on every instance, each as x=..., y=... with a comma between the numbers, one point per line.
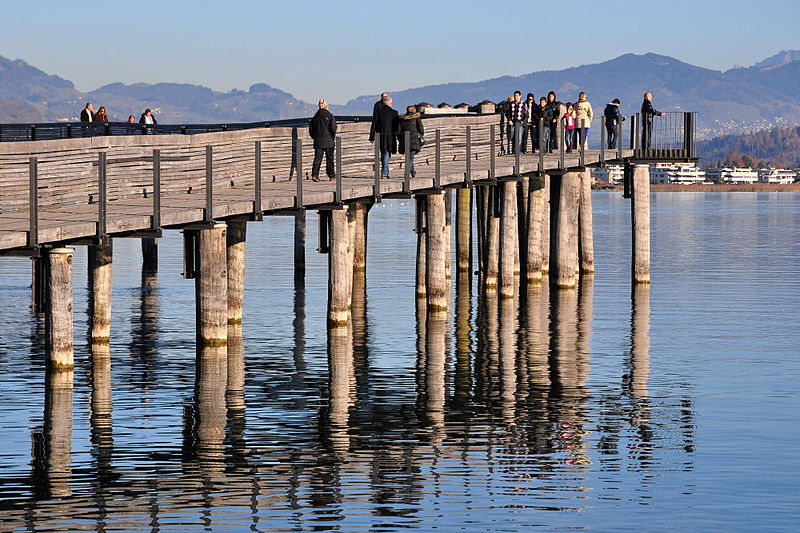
x=613, y=119
x=323, y=130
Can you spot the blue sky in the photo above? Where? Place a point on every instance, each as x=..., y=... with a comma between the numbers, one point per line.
x=340, y=50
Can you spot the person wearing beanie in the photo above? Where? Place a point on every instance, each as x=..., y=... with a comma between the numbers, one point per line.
x=322, y=130
x=411, y=123
x=386, y=127
x=613, y=118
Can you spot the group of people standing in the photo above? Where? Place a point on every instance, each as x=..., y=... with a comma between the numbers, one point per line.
x=523, y=119
x=88, y=115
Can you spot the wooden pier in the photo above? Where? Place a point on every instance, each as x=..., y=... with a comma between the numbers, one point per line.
x=533, y=212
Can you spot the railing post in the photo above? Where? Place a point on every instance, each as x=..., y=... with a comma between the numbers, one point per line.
x=517, y=148
x=602, y=139
x=492, y=155
x=437, y=178
x=33, y=211
x=560, y=134
x=209, y=214
x=407, y=173
x=338, y=193
x=298, y=143
x=584, y=141
x=468, y=175
x=257, y=209
x=619, y=139
x=102, y=190
x=106, y=129
x=156, y=222
x=33, y=132
x=688, y=134
x=541, y=145
x=69, y=131
x=377, y=165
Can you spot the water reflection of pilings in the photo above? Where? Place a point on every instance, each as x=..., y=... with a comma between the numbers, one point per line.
x=299, y=327
x=509, y=312
x=144, y=329
x=463, y=334
x=234, y=395
x=209, y=409
x=486, y=353
x=52, y=447
x=341, y=387
x=635, y=380
x=360, y=333
x=431, y=369
x=101, y=423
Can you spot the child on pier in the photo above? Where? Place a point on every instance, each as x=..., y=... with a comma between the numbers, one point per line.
x=569, y=128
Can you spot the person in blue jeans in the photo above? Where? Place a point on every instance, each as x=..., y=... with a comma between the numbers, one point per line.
x=387, y=124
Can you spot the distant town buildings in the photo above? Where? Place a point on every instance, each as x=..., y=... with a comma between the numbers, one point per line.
x=690, y=173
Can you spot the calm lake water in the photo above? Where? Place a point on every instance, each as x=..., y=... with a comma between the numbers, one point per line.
x=669, y=408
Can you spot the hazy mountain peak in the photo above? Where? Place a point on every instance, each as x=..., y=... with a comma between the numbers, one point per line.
x=784, y=57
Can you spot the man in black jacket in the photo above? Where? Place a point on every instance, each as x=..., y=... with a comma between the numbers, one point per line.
x=613, y=118
x=648, y=112
x=553, y=120
x=386, y=125
x=87, y=115
x=380, y=104
x=323, y=130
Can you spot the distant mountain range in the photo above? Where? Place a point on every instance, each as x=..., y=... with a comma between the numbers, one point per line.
x=738, y=100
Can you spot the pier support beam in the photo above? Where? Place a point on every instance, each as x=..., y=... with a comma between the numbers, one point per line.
x=211, y=287
x=340, y=270
x=149, y=254
x=640, y=218
x=523, y=185
x=100, y=260
x=585, y=226
x=59, y=309
x=300, y=248
x=492, y=242
x=564, y=248
x=359, y=215
x=464, y=230
x=508, y=238
x=546, y=236
x=236, y=242
x=536, y=242
x=422, y=246
x=436, y=284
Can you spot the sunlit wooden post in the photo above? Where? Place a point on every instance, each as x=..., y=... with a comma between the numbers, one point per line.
x=536, y=242
x=236, y=242
x=59, y=309
x=211, y=286
x=100, y=256
x=340, y=270
x=436, y=283
x=508, y=233
x=585, y=228
x=564, y=248
x=640, y=218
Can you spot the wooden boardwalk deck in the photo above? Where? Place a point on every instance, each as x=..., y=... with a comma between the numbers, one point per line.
x=68, y=186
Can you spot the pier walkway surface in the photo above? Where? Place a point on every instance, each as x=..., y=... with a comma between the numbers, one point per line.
x=58, y=191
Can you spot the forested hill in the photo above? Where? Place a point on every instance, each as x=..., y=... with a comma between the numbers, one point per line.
x=777, y=147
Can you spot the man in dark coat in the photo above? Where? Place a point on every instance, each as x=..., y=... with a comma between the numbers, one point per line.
x=323, y=130
x=554, y=118
x=386, y=125
x=648, y=112
x=613, y=119
x=87, y=115
x=380, y=104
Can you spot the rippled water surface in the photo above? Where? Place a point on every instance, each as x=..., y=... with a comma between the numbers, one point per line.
x=673, y=407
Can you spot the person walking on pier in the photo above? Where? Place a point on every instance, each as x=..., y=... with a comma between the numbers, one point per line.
x=376, y=107
x=542, y=135
x=386, y=125
x=613, y=119
x=412, y=123
x=323, y=130
x=502, y=108
x=87, y=115
x=583, y=120
x=648, y=112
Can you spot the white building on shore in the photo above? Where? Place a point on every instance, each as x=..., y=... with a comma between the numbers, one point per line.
x=776, y=175
x=732, y=175
x=611, y=174
x=680, y=173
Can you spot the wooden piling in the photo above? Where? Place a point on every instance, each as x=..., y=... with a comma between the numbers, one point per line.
x=149, y=254
x=59, y=309
x=100, y=291
x=448, y=234
x=523, y=186
x=493, y=243
x=508, y=232
x=422, y=246
x=585, y=225
x=360, y=215
x=536, y=212
x=436, y=284
x=340, y=270
x=211, y=287
x=565, y=246
x=236, y=241
x=640, y=219
x=300, y=246
x=546, y=218
x=464, y=230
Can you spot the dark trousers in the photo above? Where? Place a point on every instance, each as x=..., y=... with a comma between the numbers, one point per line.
x=529, y=130
x=329, y=170
x=647, y=133
x=553, y=144
x=611, y=130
